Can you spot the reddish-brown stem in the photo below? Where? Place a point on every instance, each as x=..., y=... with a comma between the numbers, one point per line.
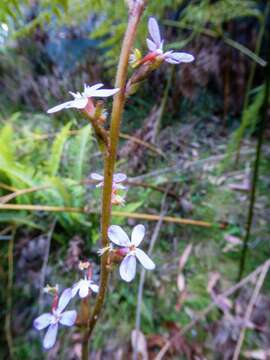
x=110, y=154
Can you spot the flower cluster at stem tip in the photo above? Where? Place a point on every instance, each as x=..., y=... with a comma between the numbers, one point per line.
x=156, y=52
x=121, y=245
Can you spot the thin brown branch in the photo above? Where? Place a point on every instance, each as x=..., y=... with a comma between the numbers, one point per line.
x=249, y=310
x=40, y=137
x=44, y=266
x=85, y=210
x=7, y=187
x=9, y=294
x=6, y=198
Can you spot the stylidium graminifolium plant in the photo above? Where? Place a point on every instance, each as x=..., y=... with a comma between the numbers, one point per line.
x=116, y=243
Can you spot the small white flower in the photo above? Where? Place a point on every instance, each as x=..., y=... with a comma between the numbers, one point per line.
x=81, y=99
x=83, y=286
x=155, y=45
x=53, y=319
x=117, y=179
x=128, y=266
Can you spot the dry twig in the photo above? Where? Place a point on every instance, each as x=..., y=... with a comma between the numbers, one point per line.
x=210, y=307
x=250, y=306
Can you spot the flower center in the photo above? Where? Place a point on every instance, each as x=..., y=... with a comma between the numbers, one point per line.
x=132, y=249
x=56, y=318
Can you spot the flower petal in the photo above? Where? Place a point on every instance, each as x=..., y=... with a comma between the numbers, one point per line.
x=84, y=290
x=79, y=103
x=75, y=288
x=89, y=90
x=76, y=95
x=119, y=177
x=60, y=107
x=118, y=236
x=119, y=186
x=154, y=31
x=145, y=260
x=128, y=268
x=93, y=287
x=97, y=177
x=43, y=321
x=50, y=336
x=178, y=57
x=151, y=45
x=104, y=93
x=64, y=299
x=137, y=234
x=68, y=318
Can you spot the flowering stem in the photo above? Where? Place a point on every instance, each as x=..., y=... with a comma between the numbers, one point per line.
x=110, y=154
x=85, y=317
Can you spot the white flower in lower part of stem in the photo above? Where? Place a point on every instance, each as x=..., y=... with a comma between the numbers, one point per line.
x=130, y=249
x=155, y=46
x=81, y=100
x=117, y=180
x=52, y=320
x=83, y=286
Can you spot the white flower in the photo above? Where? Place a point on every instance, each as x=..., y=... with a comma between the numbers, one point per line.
x=117, y=179
x=128, y=266
x=83, y=286
x=81, y=99
x=57, y=316
x=155, y=44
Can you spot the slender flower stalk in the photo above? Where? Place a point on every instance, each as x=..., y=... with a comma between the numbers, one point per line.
x=110, y=157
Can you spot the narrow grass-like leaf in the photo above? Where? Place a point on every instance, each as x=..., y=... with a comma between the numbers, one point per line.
x=57, y=151
x=82, y=140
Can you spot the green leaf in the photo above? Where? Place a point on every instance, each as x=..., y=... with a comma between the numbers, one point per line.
x=81, y=141
x=57, y=151
x=20, y=218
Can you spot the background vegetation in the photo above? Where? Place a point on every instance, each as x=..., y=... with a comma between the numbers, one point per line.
x=199, y=126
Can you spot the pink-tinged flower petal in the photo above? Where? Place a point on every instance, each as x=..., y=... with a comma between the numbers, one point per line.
x=178, y=57
x=118, y=236
x=68, y=318
x=151, y=45
x=119, y=186
x=79, y=103
x=94, y=287
x=119, y=177
x=89, y=90
x=145, y=260
x=75, y=289
x=60, y=107
x=137, y=234
x=43, y=321
x=128, y=268
x=104, y=93
x=50, y=336
x=154, y=31
x=84, y=290
x=97, y=177
x=64, y=299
